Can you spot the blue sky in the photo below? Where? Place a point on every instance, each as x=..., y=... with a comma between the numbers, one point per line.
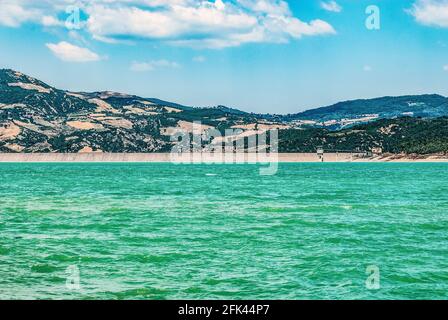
x=256, y=55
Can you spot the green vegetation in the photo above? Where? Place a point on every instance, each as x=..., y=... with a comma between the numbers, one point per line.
x=402, y=135
x=35, y=117
x=432, y=106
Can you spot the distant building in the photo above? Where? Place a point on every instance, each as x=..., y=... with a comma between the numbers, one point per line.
x=320, y=151
x=377, y=151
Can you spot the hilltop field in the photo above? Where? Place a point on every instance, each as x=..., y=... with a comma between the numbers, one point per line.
x=38, y=118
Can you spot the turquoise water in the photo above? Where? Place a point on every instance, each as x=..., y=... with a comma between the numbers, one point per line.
x=164, y=231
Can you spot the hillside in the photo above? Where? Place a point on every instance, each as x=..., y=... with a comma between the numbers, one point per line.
x=348, y=113
x=35, y=117
x=401, y=135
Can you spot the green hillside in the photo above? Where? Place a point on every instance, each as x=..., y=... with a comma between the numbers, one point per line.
x=402, y=135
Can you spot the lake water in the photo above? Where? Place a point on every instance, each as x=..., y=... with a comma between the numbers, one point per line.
x=165, y=231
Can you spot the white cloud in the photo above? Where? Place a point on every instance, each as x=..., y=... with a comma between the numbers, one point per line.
x=200, y=23
x=152, y=65
x=14, y=13
x=199, y=59
x=174, y=23
x=445, y=67
x=367, y=68
x=71, y=53
x=431, y=12
x=50, y=21
x=271, y=7
x=331, y=6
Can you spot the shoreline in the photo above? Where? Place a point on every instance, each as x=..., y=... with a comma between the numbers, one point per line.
x=250, y=158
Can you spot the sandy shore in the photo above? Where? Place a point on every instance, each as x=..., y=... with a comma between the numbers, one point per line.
x=211, y=158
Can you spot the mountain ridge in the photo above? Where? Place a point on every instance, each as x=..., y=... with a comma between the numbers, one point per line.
x=36, y=117
x=428, y=105
x=306, y=114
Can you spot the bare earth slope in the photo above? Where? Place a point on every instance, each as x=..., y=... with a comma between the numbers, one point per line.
x=38, y=118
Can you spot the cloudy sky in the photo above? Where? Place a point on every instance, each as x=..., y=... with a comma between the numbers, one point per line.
x=257, y=55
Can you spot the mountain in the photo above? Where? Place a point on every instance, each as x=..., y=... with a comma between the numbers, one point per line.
x=36, y=117
x=401, y=135
x=348, y=113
